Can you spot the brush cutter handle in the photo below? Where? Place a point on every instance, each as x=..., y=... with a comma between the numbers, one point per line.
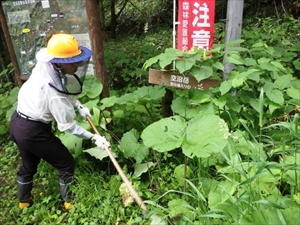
x=133, y=192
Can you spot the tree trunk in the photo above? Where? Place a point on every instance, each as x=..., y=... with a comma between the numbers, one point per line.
x=113, y=20
x=233, y=28
x=102, y=13
x=3, y=52
x=10, y=47
x=114, y=17
x=97, y=39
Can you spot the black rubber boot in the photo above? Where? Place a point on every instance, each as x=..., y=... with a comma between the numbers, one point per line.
x=24, y=192
x=65, y=191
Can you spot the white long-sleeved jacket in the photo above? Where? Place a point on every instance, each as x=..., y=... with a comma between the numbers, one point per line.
x=38, y=100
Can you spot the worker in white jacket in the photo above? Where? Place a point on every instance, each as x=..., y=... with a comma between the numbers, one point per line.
x=50, y=94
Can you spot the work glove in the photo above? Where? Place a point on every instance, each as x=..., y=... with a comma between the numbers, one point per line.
x=100, y=141
x=83, y=111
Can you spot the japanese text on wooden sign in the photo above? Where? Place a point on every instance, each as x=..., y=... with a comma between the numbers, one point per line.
x=195, y=24
x=176, y=80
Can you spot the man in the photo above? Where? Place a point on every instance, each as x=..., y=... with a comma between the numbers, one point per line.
x=50, y=94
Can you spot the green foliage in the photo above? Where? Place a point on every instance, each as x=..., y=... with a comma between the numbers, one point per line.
x=239, y=140
x=272, y=216
x=180, y=171
x=141, y=16
x=94, y=88
x=98, y=153
x=8, y=70
x=8, y=105
x=124, y=60
x=194, y=62
x=174, y=132
x=132, y=148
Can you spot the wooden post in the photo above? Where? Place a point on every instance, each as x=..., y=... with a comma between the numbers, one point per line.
x=97, y=39
x=10, y=47
x=233, y=28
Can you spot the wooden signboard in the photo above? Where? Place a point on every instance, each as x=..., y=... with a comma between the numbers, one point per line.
x=173, y=79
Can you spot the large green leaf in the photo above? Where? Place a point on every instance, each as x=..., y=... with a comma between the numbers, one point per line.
x=155, y=219
x=185, y=64
x=4, y=100
x=237, y=82
x=151, y=61
x=233, y=105
x=268, y=66
x=96, y=116
x=235, y=59
x=255, y=75
x=293, y=93
x=225, y=87
x=297, y=64
x=98, y=153
x=73, y=143
x=173, y=51
x=165, y=134
x=289, y=216
x=132, y=148
x=181, y=207
x=263, y=60
x=220, y=193
x=275, y=96
x=10, y=111
x=108, y=102
x=250, y=62
x=273, y=106
x=3, y=129
x=92, y=87
x=288, y=56
x=219, y=66
x=143, y=95
x=283, y=82
x=220, y=102
x=179, y=173
x=190, y=107
x=206, y=134
x=278, y=65
x=14, y=92
x=202, y=72
x=252, y=74
x=166, y=60
x=140, y=168
x=163, y=59
x=292, y=175
x=185, y=107
x=255, y=104
x=151, y=92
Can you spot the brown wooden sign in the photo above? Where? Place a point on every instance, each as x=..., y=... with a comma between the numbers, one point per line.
x=173, y=79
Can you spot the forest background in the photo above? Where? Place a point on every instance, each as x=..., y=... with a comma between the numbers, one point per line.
x=249, y=175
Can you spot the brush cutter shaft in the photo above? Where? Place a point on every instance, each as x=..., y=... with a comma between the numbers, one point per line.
x=133, y=192
x=135, y=195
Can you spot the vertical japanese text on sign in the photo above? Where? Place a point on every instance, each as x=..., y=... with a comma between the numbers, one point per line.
x=196, y=24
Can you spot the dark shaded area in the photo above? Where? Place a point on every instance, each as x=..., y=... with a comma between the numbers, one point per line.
x=124, y=18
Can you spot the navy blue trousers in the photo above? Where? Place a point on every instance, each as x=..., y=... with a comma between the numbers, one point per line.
x=36, y=141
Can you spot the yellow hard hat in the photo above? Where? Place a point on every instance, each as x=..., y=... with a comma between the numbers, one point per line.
x=63, y=46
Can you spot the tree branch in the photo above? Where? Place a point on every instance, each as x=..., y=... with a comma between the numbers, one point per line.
x=121, y=10
x=283, y=7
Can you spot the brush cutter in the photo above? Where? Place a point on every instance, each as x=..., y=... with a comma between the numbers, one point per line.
x=133, y=192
